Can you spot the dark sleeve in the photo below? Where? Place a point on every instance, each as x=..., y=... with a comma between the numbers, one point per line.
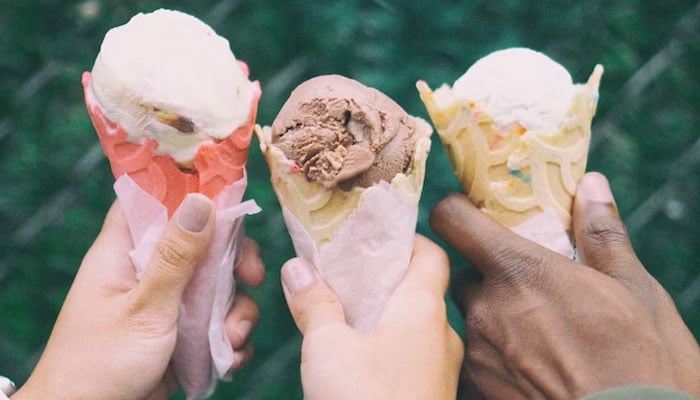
x=639, y=393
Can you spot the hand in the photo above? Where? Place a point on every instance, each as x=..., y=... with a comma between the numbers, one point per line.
x=412, y=353
x=543, y=326
x=114, y=336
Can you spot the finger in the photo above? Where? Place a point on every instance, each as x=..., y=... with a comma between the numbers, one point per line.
x=497, y=252
x=250, y=268
x=429, y=268
x=310, y=300
x=242, y=356
x=241, y=319
x=419, y=297
x=115, y=229
x=182, y=244
x=113, y=235
x=601, y=237
x=116, y=272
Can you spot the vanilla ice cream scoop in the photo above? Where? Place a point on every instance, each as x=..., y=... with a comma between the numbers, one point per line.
x=519, y=85
x=169, y=77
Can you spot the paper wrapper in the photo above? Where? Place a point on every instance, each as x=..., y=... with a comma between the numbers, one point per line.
x=203, y=352
x=360, y=241
x=523, y=179
x=150, y=187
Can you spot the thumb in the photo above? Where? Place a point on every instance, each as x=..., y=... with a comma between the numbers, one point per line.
x=311, y=301
x=178, y=251
x=601, y=236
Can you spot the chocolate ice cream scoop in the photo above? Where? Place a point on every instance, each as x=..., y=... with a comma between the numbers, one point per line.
x=342, y=133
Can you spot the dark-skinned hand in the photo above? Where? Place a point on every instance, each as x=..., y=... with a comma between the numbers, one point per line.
x=542, y=326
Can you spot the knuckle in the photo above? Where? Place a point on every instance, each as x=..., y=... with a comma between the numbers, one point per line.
x=253, y=311
x=472, y=352
x=250, y=252
x=140, y=320
x=440, y=255
x=318, y=338
x=518, y=267
x=514, y=354
x=251, y=246
x=423, y=244
x=136, y=307
x=476, y=355
x=428, y=307
x=606, y=231
x=309, y=302
x=659, y=293
x=655, y=292
x=444, y=210
x=476, y=319
x=244, y=307
x=175, y=253
x=626, y=315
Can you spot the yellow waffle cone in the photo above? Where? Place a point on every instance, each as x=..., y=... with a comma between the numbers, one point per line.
x=323, y=211
x=514, y=174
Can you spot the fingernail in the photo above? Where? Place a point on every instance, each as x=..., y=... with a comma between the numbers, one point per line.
x=193, y=213
x=595, y=187
x=297, y=275
x=243, y=329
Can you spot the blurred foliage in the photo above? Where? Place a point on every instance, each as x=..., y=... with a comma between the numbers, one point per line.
x=56, y=186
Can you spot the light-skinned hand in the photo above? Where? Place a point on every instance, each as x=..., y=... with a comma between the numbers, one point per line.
x=542, y=326
x=114, y=336
x=412, y=353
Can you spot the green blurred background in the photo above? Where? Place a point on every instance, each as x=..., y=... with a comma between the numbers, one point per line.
x=55, y=185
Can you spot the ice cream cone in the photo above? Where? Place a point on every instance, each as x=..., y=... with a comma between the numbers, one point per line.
x=174, y=112
x=513, y=173
x=360, y=240
x=215, y=165
x=359, y=236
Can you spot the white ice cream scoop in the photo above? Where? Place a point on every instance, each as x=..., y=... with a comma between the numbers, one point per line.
x=518, y=85
x=168, y=76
